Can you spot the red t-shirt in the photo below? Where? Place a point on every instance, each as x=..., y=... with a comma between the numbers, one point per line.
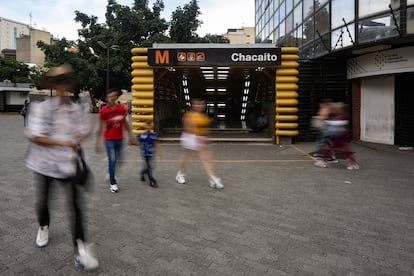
x=113, y=118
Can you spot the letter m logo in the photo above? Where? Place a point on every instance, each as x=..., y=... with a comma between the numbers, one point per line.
x=162, y=57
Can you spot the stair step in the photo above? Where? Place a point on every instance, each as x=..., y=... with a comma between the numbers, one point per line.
x=211, y=130
x=223, y=140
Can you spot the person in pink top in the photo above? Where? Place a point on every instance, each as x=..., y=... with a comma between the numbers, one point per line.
x=112, y=123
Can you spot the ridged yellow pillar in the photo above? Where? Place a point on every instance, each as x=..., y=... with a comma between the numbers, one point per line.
x=142, y=90
x=286, y=94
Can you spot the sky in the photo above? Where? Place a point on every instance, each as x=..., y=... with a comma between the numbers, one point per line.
x=57, y=17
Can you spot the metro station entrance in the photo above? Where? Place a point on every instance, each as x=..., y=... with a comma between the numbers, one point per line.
x=238, y=83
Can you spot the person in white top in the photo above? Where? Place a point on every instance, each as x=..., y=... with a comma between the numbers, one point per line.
x=56, y=128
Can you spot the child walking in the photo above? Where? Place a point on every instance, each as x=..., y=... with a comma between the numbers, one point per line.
x=150, y=145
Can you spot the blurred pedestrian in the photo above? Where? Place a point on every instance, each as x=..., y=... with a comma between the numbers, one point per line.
x=194, y=139
x=25, y=112
x=319, y=123
x=113, y=120
x=150, y=146
x=336, y=137
x=56, y=128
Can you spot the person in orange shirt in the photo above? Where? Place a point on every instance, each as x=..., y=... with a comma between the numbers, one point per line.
x=194, y=139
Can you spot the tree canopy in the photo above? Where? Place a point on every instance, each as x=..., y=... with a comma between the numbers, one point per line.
x=13, y=70
x=125, y=27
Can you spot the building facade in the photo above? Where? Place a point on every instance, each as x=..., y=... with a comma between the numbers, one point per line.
x=27, y=51
x=18, y=40
x=10, y=30
x=244, y=35
x=357, y=51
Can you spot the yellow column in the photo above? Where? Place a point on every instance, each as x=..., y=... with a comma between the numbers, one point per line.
x=142, y=90
x=286, y=94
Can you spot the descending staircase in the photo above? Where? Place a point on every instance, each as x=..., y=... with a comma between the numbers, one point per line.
x=218, y=135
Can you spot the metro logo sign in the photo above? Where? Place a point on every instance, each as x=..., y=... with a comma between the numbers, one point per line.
x=162, y=57
x=191, y=56
x=215, y=57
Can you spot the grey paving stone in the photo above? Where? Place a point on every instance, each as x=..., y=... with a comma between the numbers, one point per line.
x=277, y=215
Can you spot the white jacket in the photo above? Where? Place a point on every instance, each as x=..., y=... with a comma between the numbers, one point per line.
x=56, y=121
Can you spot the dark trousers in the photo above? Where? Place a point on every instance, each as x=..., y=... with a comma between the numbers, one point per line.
x=339, y=145
x=73, y=193
x=147, y=169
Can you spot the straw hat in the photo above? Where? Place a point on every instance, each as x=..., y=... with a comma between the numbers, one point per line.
x=58, y=76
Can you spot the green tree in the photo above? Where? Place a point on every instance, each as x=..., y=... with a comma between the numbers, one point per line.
x=14, y=70
x=79, y=56
x=126, y=27
x=184, y=23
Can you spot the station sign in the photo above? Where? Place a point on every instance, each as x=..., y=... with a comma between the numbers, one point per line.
x=214, y=57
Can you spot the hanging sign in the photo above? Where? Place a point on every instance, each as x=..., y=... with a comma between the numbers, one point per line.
x=215, y=57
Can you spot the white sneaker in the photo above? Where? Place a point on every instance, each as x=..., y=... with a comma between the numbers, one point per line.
x=321, y=163
x=85, y=258
x=180, y=178
x=215, y=182
x=114, y=188
x=352, y=167
x=42, y=236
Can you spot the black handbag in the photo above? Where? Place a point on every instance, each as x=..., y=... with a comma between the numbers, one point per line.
x=83, y=172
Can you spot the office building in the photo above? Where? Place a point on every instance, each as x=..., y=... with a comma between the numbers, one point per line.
x=10, y=30
x=18, y=40
x=357, y=51
x=244, y=35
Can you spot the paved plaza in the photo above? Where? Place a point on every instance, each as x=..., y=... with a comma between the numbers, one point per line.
x=277, y=215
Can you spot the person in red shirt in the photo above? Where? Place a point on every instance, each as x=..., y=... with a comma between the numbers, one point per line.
x=112, y=123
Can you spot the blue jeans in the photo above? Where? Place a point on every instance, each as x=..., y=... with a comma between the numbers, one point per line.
x=114, y=152
x=147, y=168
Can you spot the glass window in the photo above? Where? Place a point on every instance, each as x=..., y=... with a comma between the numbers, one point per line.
x=276, y=18
x=282, y=10
x=308, y=30
x=410, y=20
x=289, y=23
x=263, y=37
x=265, y=31
x=319, y=3
x=297, y=15
x=307, y=51
x=295, y=2
x=322, y=20
x=410, y=2
x=271, y=26
x=282, y=31
x=276, y=35
x=341, y=37
x=367, y=7
x=377, y=28
x=307, y=8
x=276, y=3
x=298, y=36
x=289, y=5
x=342, y=9
x=322, y=45
x=289, y=40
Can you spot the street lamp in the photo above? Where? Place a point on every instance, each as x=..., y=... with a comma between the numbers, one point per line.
x=113, y=47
